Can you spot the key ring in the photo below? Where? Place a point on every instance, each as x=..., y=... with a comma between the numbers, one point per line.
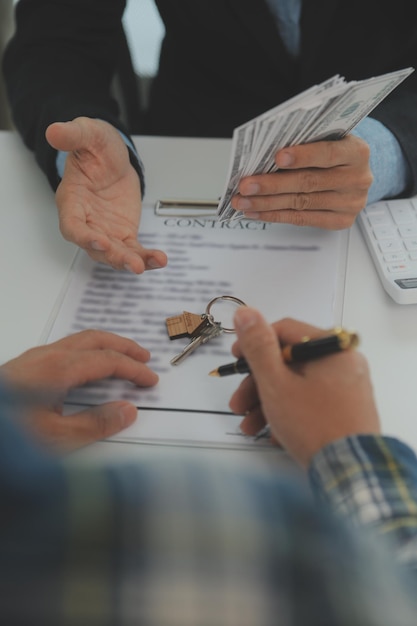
x=210, y=317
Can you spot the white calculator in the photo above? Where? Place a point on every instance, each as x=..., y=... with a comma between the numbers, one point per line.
x=390, y=231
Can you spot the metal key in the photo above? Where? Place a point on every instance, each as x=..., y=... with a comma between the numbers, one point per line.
x=200, y=328
x=209, y=330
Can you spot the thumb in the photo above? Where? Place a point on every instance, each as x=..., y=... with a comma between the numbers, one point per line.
x=259, y=345
x=79, y=134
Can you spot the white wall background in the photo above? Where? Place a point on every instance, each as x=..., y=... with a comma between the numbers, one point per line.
x=144, y=31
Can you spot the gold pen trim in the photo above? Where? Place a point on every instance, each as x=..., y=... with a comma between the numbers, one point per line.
x=345, y=339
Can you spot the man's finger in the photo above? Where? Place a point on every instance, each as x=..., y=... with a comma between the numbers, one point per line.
x=66, y=136
x=102, y=340
x=81, y=133
x=253, y=422
x=71, y=432
x=260, y=347
x=245, y=397
x=324, y=153
x=90, y=365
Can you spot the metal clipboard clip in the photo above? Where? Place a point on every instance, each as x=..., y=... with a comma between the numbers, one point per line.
x=179, y=207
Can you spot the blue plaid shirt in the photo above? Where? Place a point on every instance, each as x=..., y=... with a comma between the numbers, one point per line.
x=185, y=541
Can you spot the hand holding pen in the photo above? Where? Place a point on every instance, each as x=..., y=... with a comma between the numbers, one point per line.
x=308, y=407
x=307, y=350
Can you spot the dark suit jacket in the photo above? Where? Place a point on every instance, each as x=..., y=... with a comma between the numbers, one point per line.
x=222, y=62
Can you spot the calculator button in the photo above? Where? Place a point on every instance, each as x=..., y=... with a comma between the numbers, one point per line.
x=394, y=268
x=403, y=215
x=376, y=209
x=410, y=244
x=408, y=231
x=382, y=219
x=384, y=232
x=390, y=245
x=394, y=257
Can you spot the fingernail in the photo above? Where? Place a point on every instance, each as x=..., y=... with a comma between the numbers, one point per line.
x=97, y=246
x=244, y=203
x=284, y=159
x=128, y=414
x=251, y=189
x=245, y=318
x=251, y=424
x=153, y=264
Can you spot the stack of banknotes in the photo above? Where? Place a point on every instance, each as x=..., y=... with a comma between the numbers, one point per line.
x=324, y=112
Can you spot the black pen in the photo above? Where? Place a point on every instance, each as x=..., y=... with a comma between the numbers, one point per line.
x=306, y=350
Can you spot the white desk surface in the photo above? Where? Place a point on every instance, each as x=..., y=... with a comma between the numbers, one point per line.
x=35, y=260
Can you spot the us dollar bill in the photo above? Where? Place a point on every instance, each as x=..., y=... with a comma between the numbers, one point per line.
x=328, y=111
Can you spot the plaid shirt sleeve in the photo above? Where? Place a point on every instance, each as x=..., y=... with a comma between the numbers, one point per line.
x=181, y=540
x=186, y=542
x=371, y=481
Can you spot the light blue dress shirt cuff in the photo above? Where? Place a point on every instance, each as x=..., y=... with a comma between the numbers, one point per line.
x=61, y=156
x=389, y=166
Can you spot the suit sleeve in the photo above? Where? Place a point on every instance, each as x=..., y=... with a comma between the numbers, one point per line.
x=59, y=65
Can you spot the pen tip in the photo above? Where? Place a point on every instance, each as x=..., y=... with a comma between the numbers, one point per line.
x=214, y=373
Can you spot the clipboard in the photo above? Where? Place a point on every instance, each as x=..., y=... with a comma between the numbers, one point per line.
x=182, y=207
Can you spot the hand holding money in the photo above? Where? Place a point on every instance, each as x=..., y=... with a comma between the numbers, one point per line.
x=286, y=166
x=323, y=184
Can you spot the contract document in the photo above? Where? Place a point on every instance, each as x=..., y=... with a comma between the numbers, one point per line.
x=282, y=270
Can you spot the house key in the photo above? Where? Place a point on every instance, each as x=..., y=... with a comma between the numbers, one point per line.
x=199, y=333
x=184, y=325
x=212, y=329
